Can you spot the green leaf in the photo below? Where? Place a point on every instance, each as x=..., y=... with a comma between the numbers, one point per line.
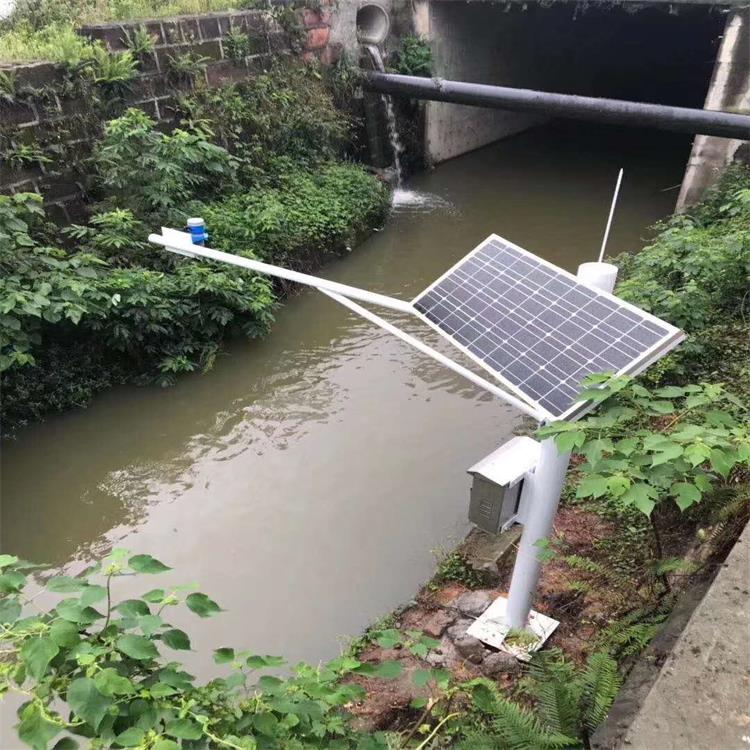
x=155, y=596
x=721, y=462
x=133, y=608
x=266, y=723
x=670, y=391
x=626, y=446
x=137, y=647
x=202, y=605
x=161, y=690
x=617, y=485
x=11, y=582
x=87, y=702
x=72, y=611
x=147, y=564
x=388, y=670
x=568, y=441
x=66, y=743
x=65, y=584
x=36, y=654
x=685, y=494
x=258, y=662
x=640, y=494
x=10, y=609
x=6, y=560
x=184, y=729
x=64, y=633
x=130, y=737
x=697, y=453
x=389, y=638
x=109, y=682
x=176, y=639
x=484, y=699
x=269, y=684
x=666, y=452
x=593, y=485
x=421, y=677
x=149, y=624
x=223, y=655
x=165, y=744
x=34, y=730
x=92, y=594
x=661, y=407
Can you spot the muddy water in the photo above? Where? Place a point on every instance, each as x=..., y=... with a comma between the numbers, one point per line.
x=306, y=480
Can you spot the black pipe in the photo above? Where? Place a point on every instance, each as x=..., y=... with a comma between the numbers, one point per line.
x=679, y=119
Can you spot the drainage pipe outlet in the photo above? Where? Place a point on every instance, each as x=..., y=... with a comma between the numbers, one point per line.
x=373, y=24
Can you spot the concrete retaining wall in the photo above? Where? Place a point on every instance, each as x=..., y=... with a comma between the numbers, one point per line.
x=729, y=91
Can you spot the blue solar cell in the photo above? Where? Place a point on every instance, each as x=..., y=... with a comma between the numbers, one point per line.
x=536, y=327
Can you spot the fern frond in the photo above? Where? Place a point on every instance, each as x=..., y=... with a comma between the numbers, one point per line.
x=517, y=729
x=601, y=683
x=585, y=564
x=559, y=705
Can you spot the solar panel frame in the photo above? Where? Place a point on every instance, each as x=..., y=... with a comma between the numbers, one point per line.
x=577, y=409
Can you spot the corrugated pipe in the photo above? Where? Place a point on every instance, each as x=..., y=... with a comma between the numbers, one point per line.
x=679, y=119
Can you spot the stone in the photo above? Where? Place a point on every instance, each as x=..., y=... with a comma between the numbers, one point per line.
x=436, y=658
x=470, y=648
x=454, y=632
x=500, y=663
x=436, y=622
x=473, y=603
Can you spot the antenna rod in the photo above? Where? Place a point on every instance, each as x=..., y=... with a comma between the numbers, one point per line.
x=611, y=214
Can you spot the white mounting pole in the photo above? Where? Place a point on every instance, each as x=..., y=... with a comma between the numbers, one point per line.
x=181, y=243
x=611, y=215
x=540, y=497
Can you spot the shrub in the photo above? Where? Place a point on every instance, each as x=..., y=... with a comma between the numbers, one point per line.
x=300, y=216
x=414, y=57
x=99, y=668
x=287, y=111
x=155, y=174
x=697, y=272
x=59, y=310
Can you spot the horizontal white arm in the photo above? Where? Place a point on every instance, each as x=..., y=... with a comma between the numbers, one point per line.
x=185, y=247
x=436, y=355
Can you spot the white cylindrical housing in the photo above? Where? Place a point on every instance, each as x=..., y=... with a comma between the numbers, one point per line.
x=599, y=275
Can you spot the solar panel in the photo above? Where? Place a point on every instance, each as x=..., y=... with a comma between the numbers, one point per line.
x=536, y=327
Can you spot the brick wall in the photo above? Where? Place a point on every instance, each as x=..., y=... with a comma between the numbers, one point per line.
x=48, y=111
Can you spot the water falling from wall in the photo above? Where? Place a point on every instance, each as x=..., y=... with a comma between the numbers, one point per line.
x=390, y=114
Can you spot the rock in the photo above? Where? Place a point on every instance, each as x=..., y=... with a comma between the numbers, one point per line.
x=500, y=663
x=470, y=648
x=473, y=603
x=457, y=631
x=436, y=658
x=436, y=622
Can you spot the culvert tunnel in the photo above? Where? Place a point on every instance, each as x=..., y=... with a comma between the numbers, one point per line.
x=642, y=54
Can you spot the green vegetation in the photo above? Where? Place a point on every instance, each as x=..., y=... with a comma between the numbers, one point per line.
x=90, y=666
x=413, y=57
x=453, y=566
x=89, y=306
x=105, y=661
x=45, y=29
x=572, y=702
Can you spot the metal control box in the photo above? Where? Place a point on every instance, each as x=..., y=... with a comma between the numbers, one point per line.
x=497, y=482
